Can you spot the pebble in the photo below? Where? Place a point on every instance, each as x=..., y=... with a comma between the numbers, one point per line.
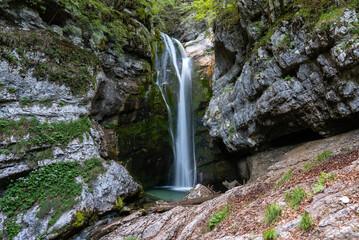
x=344, y=199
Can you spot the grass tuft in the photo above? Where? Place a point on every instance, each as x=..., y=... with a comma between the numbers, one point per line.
x=272, y=213
x=295, y=197
x=306, y=222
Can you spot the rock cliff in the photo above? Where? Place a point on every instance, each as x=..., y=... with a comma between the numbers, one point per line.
x=285, y=72
x=63, y=85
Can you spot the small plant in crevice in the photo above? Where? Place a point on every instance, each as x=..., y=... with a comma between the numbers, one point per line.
x=295, y=197
x=272, y=213
x=324, y=178
x=287, y=78
x=284, y=179
x=132, y=238
x=320, y=158
x=218, y=217
x=270, y=234
x=11, y=89
x=306, y=222
x=324, y=156
x=25, y=101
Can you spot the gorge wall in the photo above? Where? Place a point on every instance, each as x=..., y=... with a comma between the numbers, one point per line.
x=282, y=73
x=77, y=99
x=69, y=89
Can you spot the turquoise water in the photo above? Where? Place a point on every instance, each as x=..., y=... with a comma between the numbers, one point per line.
x=167, y=194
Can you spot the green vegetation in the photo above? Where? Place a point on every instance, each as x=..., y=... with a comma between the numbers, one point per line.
x=324, y=178
x=284, y=43
x=25, y=101
x=272, y=213
x=324, y=156
x=143, y=139
x=317, y=14
x=119, y=204
x=306, y=222
x=56, y=181
x=232, y=130
x=211, y=10
x=108, y=22
x=284, y=179
x=295, y=196
x=328, y=18
x=11, y=89
x=288, y=78
x=54, y=187
x=93, y=167
x=218, y=217
x=80, y=220
x=78, y=66
x=11, y=228
x=58, y=133
x=270, y=234
x=320, y=158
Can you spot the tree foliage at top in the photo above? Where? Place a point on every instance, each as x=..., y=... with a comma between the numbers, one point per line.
x=210, y=9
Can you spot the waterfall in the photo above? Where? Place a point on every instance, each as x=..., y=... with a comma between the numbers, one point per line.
x=174, y=78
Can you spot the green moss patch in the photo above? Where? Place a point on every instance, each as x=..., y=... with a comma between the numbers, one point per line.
x=65, y=63
x=35, y=133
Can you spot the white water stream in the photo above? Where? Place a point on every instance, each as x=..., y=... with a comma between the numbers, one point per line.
x=174, y=78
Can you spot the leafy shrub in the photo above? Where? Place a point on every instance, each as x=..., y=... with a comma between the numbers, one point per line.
x=324, y=177
x=295, y=196
x=270, y=234
x=272, y=213
x=306, y=222
x=218, y=217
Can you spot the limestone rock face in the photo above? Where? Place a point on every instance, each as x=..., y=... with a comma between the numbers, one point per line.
x=302, y=79
x=60, y=84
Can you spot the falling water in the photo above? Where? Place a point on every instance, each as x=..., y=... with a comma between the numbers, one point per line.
x=174, y=78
